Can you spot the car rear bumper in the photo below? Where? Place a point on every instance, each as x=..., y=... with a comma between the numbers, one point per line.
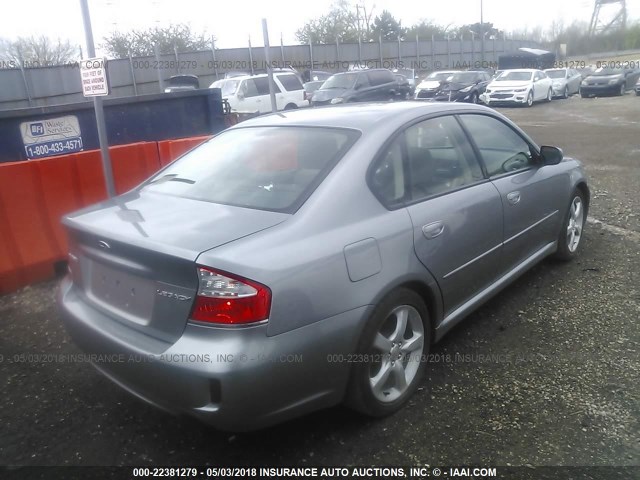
x=236, y=379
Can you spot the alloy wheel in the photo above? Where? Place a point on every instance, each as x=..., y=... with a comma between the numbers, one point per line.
x=576, y=222
x=398, y=346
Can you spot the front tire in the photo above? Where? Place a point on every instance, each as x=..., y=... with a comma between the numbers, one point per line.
x=571, y=233
x=623, y=90
x=394, y=346
x=530, y=99
x=474, y=98
x=549, y=95
x=565, y=95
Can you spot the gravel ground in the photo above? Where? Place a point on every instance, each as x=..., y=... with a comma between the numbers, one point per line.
x=547, y=373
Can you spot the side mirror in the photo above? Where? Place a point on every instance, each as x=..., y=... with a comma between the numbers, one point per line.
x=551, y=155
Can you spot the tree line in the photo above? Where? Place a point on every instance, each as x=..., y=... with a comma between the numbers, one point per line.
x=346, y=22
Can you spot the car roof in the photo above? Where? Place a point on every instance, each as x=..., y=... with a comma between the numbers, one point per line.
x=359, y=116
x=521, y=70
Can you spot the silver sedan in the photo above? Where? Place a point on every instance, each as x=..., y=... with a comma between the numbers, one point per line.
x=566, y=81
x=303, y=259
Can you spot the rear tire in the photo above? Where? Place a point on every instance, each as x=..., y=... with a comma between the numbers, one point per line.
x=572, y=231
x=290, y=106
x=474, y=98
x=394, y=346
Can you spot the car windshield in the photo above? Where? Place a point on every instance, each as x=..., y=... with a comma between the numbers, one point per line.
x=514, y=77
x=464, y=77
x=556, y=73
x=343, y=80
x=265, y=168
x=228, y=87
x=608, y=71
x=439, y=76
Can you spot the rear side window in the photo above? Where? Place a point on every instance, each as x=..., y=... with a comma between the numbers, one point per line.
x=260, y=86
x=380, y=77
x=290, y=82
x=266, y=168
x=440, y=158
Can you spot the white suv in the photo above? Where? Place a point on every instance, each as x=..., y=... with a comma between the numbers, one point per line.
x=250, y=93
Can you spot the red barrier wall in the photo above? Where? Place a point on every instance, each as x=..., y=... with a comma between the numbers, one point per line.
x=169, y=150
x=35, y=194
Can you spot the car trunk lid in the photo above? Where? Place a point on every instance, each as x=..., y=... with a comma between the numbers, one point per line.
x=133, y=257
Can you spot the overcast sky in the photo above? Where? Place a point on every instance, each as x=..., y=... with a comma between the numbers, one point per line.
x=232, y=21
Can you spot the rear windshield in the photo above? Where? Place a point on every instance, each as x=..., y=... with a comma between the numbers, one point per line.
x=266, y=168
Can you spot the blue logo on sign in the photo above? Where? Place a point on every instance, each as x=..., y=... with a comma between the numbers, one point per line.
x=37, y=129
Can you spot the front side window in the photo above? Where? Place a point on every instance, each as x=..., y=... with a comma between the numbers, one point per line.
x=502, y=149
x=266, y=168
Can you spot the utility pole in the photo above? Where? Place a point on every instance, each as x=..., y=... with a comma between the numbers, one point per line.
x=267, y=57
x=482, y=31
x=98, y=107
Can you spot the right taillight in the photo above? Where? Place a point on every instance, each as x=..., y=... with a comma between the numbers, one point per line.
x=226, y=299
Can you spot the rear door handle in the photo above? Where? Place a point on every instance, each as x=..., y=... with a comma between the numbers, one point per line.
x=513, y=197
x=432, y=230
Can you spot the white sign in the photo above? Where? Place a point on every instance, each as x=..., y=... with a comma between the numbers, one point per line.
x=93, y=75
x=53, y=136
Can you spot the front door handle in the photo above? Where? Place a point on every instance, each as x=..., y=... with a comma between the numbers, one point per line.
x=513, y=197
x=432, y=230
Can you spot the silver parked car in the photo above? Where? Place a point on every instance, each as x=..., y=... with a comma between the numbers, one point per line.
x=303, y=259
x=566, y=81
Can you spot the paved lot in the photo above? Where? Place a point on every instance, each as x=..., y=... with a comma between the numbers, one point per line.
x=548, y=373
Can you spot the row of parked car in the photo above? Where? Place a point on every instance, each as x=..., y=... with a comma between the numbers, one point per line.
x=250, y=93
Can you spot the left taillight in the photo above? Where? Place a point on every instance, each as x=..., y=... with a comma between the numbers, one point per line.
x=226, y=299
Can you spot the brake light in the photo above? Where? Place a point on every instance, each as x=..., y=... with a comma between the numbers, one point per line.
x=229, y=300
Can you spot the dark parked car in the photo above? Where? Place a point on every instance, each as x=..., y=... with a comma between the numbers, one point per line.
x=404, y=87
x=410, y=75
x=311, y=87
x=301, y=259
x=357, y=86
x=463, y=87
x=181, y=83
x=607, y=81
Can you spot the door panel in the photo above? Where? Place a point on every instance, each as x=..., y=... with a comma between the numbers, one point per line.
x=530, y=192
x=458, y=237
x=456, y=214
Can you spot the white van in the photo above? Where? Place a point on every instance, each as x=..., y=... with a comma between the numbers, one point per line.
x=250, y=93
